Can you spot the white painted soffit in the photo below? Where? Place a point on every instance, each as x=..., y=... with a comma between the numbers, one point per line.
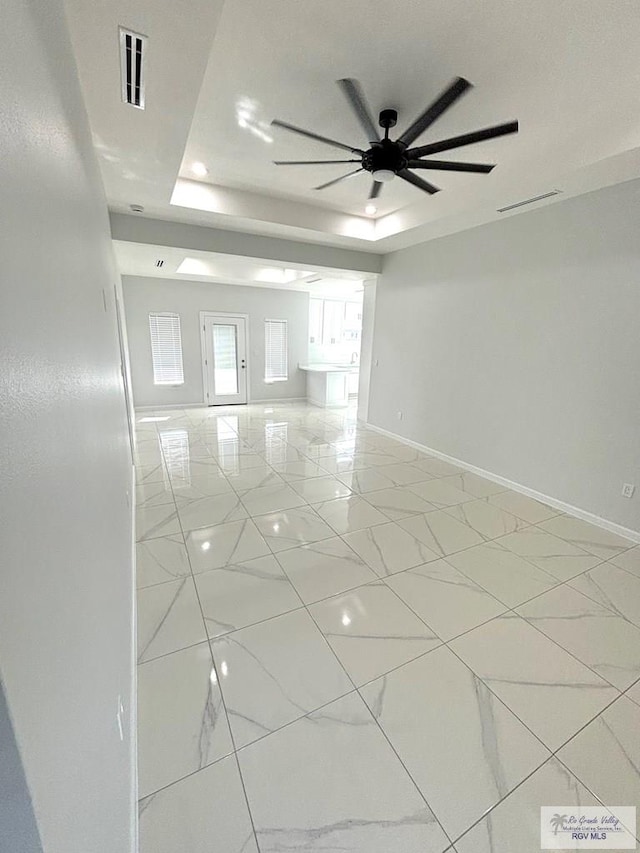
x=166, y=262
x=157, y=232
x=233, y=203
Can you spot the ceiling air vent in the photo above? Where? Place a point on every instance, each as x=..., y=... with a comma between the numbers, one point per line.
x=528, y=201
x=132, y=56
x=159, y=263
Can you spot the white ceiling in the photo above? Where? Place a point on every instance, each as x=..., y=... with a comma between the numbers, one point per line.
x=566, y=69
x=189, y=265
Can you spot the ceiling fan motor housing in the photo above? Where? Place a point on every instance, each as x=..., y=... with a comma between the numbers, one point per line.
x=388, y=118
x=384, y=156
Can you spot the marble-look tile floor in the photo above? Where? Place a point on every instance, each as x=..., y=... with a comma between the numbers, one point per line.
x=345, y=644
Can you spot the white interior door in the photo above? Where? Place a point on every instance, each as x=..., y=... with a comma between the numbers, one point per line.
x=225, y=354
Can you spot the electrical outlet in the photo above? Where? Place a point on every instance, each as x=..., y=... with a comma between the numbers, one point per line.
x=627, y=490
x=399, y=416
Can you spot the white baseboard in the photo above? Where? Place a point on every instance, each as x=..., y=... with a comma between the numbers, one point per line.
x=201, y=405
x=168, y=406
x=584, y=514
x=279, y=400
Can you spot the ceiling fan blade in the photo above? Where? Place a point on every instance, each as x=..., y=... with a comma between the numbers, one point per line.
x=418, y=182
x=310, y=162
x=465, y=139
x=353, y=93
x=337, y=180
x=445, y=166
x=450, y=95
x=291, y=127
x=376, y=186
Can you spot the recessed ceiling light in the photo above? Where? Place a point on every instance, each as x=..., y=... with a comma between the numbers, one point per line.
x=199, y=169
x=371, y=209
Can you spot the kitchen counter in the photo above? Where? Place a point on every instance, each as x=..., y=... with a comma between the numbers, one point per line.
x=328, y=384
x=330, y=368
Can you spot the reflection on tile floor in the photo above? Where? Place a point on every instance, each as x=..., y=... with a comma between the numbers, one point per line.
x=346, y=644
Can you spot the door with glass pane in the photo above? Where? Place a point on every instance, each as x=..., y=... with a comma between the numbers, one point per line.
x=225, y=359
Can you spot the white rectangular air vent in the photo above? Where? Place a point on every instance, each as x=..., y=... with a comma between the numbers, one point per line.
x=528, y=201
x=132, y=56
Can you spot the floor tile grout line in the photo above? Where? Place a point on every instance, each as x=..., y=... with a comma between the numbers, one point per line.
x=347, y=675
x=415, y=784
x=560, y=583
x=589, y=789
x=222, y=699
x=373, y=582
x=217, y=681
x=512, y=612
x=449, y=508
x=222, y=691
x=597, y=601
x=567, y=584
x=446, y=643
x=553, y=755
x=565, y=742
x=186, y=776
x=357, y=690
x=616, y=566
x=512, y=712
x=295, y=720
x=486, y=814
x=406, y=663
x=562, y=514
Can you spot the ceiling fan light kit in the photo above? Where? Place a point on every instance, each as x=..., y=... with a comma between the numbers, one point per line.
x=386, y=159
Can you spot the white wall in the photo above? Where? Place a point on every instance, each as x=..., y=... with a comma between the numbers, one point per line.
x=366, y=350
x=515, y=347
x=145, y=295
x=18, y=828
x=66, y=582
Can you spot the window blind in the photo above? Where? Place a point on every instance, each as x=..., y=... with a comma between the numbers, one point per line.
x=166, y=349
x=275, y=357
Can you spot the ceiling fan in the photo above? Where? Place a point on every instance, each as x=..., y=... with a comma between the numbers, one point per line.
x=385, y=158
